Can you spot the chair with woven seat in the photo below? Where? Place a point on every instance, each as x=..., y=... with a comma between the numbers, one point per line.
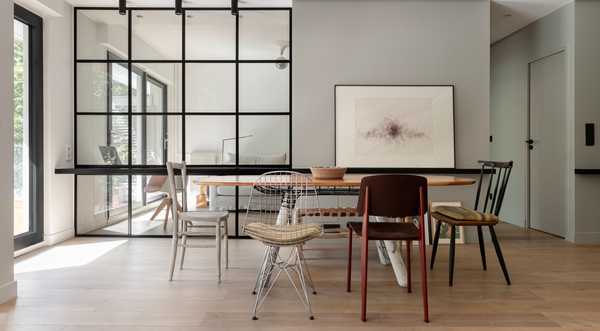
x=187, y=223
x=271, y=214
x=488, y=216
x=391, y=196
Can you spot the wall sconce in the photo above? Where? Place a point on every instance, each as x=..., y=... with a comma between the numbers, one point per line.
x=178, y=7
x=122, y=7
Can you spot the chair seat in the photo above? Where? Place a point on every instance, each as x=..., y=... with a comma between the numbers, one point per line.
x=204, y=216
x=463, y=216
x=283, y=235
x=388, y=230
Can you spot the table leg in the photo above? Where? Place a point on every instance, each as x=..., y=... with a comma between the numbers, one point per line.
x=394, y=256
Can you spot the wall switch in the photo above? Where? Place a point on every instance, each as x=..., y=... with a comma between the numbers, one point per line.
x=590, y=139
x=68, y=153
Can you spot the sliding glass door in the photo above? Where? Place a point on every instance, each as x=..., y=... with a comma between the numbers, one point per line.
x=27, y=132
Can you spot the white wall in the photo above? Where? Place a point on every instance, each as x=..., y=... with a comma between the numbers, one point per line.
x=389, y=42
x=8, y=287
x=509, y=86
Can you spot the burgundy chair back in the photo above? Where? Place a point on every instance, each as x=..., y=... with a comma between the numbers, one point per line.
x=393, y=195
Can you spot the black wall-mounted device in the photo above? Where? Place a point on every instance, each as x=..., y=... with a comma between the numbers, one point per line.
x=590, y=139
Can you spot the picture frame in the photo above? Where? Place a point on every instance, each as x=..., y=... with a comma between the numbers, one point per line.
x=394, y=126
x=445, y=228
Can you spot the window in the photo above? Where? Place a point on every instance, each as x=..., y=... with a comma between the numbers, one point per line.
x=206, y=88
x=28, y=135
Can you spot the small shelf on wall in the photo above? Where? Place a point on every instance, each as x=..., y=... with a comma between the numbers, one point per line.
x=199, y=170
x=587, y=171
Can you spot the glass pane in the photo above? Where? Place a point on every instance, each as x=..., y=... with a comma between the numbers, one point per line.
x=95, y=80
x=210, y=140
x=210, y=87
x=102, y=203
x=156, y=35
x=264, y=140
x=210, y=35
x=101, y=31
x=162, y=83
x=264, y=87
x=155, y=139
x=21, y=128
x=264, y=35
x=102, y=139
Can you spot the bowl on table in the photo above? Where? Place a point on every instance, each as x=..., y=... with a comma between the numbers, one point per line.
x=327, y=172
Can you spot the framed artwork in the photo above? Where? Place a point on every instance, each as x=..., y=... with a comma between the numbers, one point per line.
x=445, y=228
x=394, y=126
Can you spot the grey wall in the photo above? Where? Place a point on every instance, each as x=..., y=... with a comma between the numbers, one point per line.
x=389, y=42
x=587, y=110
x=509, y=96
x=8, y=288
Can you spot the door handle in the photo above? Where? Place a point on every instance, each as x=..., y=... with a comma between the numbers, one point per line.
x=529, y=141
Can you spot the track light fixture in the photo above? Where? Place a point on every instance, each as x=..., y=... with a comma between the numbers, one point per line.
x=234, y=8
x=178, y=7
x=122, y=7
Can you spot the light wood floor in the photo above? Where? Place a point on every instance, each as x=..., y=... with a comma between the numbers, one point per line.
x=114, y=284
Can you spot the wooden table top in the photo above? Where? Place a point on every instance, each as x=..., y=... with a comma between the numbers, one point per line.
x=349, y=180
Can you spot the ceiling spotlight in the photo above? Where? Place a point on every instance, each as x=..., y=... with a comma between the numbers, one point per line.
x=234, y=8
x=178, y=7
x=122, y=7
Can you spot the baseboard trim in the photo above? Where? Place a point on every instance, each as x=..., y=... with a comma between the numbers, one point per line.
x=587, y=238
x=55, y=238
x=8, y=291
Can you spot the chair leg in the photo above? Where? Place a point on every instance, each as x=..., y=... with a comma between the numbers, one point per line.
x=429, y=226
x=364, y=259
x=159, y=209
x=436, y=239
x=349, y=265
x=226, y=238
x=183, y=249
x=260, y=270
x=218, y=239
x=308, y=277
x=481, y=246
x=173, y=254
x=451, y=259
x=408, y=269
x=499, y=254
x=424, y=291
x=168, y=204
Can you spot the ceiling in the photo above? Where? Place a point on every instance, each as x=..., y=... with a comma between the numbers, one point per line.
x=509, y=16
x=186, y=3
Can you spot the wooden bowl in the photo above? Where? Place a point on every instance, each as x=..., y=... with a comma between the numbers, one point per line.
x=327, y=172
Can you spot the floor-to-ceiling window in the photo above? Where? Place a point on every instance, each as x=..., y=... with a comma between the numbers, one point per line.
x=207, y=88
x=27, y=133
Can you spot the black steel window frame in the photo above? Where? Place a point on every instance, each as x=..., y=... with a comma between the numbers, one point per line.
x=131, y=169
x=36, y=129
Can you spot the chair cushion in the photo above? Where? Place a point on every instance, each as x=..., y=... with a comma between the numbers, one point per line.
x=283, y=235
x=387, y=230
x=464, y=214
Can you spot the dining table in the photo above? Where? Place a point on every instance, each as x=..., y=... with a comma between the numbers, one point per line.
x=388, y=252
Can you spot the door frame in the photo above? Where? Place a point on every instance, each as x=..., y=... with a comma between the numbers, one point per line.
x=527, y=150
x=36, y=131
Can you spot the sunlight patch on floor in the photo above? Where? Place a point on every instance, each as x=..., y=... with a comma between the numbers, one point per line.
x=66, y=256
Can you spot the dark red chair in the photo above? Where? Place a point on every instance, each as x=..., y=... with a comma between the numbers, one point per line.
x=395, y=196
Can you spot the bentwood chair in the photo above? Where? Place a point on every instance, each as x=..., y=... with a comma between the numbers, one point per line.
x=391, y=196
x=271, y=215
x=187, y=223
x=488, y=216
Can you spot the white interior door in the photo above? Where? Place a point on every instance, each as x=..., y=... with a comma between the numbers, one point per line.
x=548, y=147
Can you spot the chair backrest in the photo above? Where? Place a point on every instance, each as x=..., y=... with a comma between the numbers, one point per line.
x=393, y=195
x=490, y=195
x=177, y=174
x=276, y=196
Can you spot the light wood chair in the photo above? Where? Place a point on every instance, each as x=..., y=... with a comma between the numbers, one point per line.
x=186, y=223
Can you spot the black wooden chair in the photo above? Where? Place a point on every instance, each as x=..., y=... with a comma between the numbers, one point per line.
x=395, y=196
x=499, y=173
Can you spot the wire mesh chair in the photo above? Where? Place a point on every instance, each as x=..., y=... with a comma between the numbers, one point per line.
x=272, y=214
x=186, y=223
